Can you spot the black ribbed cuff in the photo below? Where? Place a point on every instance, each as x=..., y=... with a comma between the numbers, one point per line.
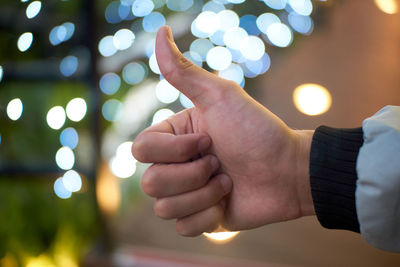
x=333, y=176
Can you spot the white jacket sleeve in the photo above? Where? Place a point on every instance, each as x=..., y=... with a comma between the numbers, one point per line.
x=378, y=184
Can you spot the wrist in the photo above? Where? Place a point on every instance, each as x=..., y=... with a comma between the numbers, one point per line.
x=302, y=171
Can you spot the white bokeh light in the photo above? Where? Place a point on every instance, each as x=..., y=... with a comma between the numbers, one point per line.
x=265, y=20
x=161, y=115
x=153, y=64
x=33, y=9
x=141, y=8
x=234, y=73
x=25, y=41
x=234, y=37
x=185, y=101
x=200, y=47
x=124, y=150
x=123, y=39
x=72, y=181
x=279, y=34
x=207, y=22
x=60, y=190
x=56, y=117
x=302, y=7
x=14, y=109
x=1, y=73
x=166, y=93
x=219, y=58
x=276, y=4
x=122, y=167
x=107, y=47
x=65, y=158
x=228, y=20
x=252, y=48
x=76, y=109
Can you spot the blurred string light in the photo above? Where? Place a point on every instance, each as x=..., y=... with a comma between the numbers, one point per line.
x=213, y=6
x=123, y=164
x=301, y=24
x=60, y=190
x=153, y=64
x=302, y=7
x=69, y=65
x=65, y=158
x=153, y=21
x=111, y=110
x=110, y=83
x=234, y=37
x=76, y=109
x=161, y=115
x=185, y=101
x=14, y=109
x=141, y=8
x=1, y=73
x=56, y=117
x=219, y=58
x=221, y=237
x=166, y=93
x=279, y=34
x=72, y=181
x=199, y=49
x=249, y=23
x=25, y=41
x=61, y=33
x=106, y=46
x=312, y=99
x=387, y=6
x=252, y=48
x=265, y=20
x=276, y=4
x=253, y=68
x=69, y=137
x=134, y=73
x=123, y=39
x=234, y=73
x=33, y=9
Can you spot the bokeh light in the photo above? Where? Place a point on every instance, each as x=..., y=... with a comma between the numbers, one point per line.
x=60, y=190
x=123, y=39
x=234, y=37
x=153, y=21
x=185, y=101
x=207, y=22
x=141, y=8
x=72, y=181
x=56, y=117
x=179, y=5
x=111, y=110
x=312, y=99
x=218, y=37
x=14, y=109
x=61, y=33
x=123, y=164
x=249, y=23
x=110, y=83
x=276, y=4
x=200, y=47
x=69, y=137
x=213, y=6
x=69, y=66
x=279, y=34
x=166, y=93
x=25, y=41
x=301, y=24
x=234, y=73
x=265, y=20
x=221, y=237
x=65, y=158
x=228, y=19
x=1, y=73
x=252, y=48
x=257, y=67
x=387, y=6
x=106, y=46
x=76, y=109
x=161, y=115
x=112, y=12
x=33, y=9
x=134, y=73
x=219, y=58
x=302, y=7
x=153, y=64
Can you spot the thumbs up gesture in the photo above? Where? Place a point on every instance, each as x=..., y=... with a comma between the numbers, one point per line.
x=227, y=162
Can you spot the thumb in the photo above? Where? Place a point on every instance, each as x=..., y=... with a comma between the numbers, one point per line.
x=201, y=86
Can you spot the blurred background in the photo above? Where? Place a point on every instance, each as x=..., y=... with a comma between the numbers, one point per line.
x=79, y=80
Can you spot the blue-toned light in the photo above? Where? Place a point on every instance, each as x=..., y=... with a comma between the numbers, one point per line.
x=159, y=3
x=228, y=19
x=60, y=190
x=252, y=48
x=194, y=57
x=153, y=21
x=68, y=66
x=280, y=35
x=185, y=101
x=112, y=12
x=201, y=47
x=123, y=39
x=237, y=56
x=302, y=7
x=110, y=83
x=236, y=1
x=33, y=9
x=107, y=47
x=213, y=6
x=234, y=37
x=69, y=137
x=257, y=67
x=124, y=11
x=111, y=110
x=265, y=20
x=72, y=181
x=1, y=73
x=219, y=58
x=141, y=8
x=218, y=38
x=179, y=5
x=134, y=73
x=301, y=24
x=276, y=4
x=234, y=73
x=25, y=41
x=249, y=23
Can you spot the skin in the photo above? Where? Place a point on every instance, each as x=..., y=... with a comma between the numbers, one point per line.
x=227, y=163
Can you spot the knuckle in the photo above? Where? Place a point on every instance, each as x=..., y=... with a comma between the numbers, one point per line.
x=162, y=209
x=184, y=229
x=178, y=69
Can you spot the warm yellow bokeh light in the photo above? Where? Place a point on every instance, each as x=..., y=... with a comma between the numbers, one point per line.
x=221, y=237
x=387, y=6
x=107, y=191
x=312, y=99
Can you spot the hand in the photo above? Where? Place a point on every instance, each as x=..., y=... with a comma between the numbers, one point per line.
x=260, y=165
